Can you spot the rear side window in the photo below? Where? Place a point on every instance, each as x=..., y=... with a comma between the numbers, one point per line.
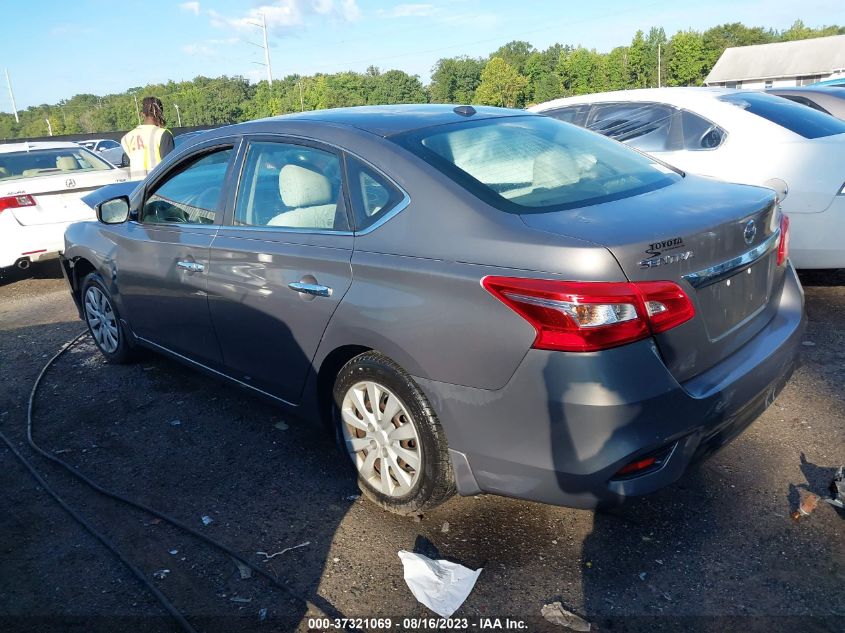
x=570, y=114
x=794, y=117
x=291, y=186
x=699, y=133
x=373, y=195
x=805, y=101
x=532, y=164
x=646, y=126
x=192, y=195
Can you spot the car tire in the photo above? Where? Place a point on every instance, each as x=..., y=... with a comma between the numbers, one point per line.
x=103, y=321
x=416, y=459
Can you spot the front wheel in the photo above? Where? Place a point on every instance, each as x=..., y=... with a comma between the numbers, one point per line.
x=392, y=436
x=103, y=321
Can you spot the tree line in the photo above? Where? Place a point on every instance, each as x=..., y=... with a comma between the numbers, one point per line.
x=515, y=75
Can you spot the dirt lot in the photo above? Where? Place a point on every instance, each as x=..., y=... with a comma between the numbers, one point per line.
x=717, y=551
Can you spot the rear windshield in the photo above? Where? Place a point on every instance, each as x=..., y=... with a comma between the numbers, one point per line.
x=794, y=117
x=49, y=162
x=533, y=164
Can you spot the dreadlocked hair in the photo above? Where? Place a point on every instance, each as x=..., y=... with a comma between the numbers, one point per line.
x=151, y=107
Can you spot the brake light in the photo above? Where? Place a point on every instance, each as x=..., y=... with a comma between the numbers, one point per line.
x=15, y=202
x=783, y=245
x=584, y=316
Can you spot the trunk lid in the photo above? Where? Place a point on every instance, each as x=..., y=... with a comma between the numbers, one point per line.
x=718, y=241
x=58, y=197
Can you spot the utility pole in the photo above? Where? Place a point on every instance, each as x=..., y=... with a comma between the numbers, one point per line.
x=266, y=47
x=658, y=64
x=301, y=102
x=49, y=127
x=137, y=110
x=12, y=97
x=178, y=116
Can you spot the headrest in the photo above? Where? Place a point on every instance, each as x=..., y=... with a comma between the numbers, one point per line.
x=554, y=168
x=303, y=187
x=66, y=163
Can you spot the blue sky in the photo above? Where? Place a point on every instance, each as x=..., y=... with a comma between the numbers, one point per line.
x=55, y=49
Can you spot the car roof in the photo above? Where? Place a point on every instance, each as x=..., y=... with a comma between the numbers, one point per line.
x=7, y=148
x=391, y=119
x=680, y=96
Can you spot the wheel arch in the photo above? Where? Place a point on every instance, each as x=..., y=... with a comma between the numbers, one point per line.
x=325, y=378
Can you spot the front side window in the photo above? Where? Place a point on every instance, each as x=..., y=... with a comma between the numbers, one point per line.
x=191, y=196
x=291, y=186
x=531, y=164
x=787, y=114
x=373, y=195
x=49, y=162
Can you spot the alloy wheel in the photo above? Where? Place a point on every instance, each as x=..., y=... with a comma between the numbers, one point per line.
x=102, y=320
x=381, y=438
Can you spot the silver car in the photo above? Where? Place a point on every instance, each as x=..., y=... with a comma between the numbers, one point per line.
x=475, y=299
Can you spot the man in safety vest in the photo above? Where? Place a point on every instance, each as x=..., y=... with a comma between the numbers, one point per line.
x=148, y=143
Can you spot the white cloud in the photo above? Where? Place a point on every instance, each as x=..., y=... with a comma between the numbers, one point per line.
x=409, y=11
x=286, y=14
x=192, y=7
x=209, y=48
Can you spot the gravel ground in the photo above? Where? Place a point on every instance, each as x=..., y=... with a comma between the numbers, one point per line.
x=717, y=551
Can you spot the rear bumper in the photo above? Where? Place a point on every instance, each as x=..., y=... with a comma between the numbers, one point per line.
x=565, y=423
x=817, y=240
x=33, y=242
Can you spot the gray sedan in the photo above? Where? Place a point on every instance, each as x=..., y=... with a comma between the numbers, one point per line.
x=476, y=300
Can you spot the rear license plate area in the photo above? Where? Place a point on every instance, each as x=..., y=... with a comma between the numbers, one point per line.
x=729, y=303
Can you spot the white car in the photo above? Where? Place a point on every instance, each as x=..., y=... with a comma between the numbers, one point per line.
x=40, y=189
x=739, y=136
x=111, y=150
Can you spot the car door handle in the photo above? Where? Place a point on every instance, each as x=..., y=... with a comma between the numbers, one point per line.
x=310, y=289
x=192, y=267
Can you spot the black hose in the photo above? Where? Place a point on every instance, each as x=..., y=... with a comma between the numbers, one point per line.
x=168, y=606
x=327, y=610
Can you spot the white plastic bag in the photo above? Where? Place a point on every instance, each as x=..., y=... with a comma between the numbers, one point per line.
x=438, y=584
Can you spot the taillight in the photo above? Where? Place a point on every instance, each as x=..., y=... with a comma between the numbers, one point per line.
x=783, y=244
x=14, y=202
x=584, y=316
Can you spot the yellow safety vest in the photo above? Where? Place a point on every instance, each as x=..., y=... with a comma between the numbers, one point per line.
x=143, y=147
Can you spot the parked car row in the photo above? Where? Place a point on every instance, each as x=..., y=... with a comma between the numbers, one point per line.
x=736, y=136
x=477, y=299
x=41, y=185
x=108, y=149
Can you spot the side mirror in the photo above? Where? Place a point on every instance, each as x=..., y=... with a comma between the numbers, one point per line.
x=114, y=211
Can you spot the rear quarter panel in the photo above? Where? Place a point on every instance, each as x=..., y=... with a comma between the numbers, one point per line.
x=416, y=294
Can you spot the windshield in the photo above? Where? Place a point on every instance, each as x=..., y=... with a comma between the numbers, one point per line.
x=794, y=117
x=530, y=164
x=49, y=162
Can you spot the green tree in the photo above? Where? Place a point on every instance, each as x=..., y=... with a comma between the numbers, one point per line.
x=500, y=85
x=396, y=86
x=638, y=62
x=455, y=80
x=515, y=54
x=685, y=64
x=616, y=68
x=582, y=71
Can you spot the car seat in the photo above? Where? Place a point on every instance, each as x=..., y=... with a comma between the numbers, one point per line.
x=308, y=194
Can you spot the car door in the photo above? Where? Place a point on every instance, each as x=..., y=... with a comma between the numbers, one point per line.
x=162, y=255
x=281, y=264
